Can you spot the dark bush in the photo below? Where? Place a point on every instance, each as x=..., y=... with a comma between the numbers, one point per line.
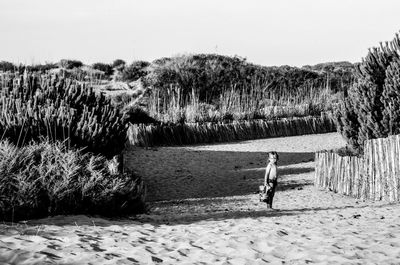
x=106, y=68
x=211, y=74
x=135, y=70
x=70, y=64
x=370, y=109
x=339, y=75
x=137, y=115
x=119, y=64
x=41, y=67
x=7, y=66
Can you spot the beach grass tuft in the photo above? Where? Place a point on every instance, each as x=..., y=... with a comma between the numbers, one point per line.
x=42, y=179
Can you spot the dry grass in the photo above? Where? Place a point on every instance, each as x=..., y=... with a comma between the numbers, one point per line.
x=240, y=104
x=47, y=179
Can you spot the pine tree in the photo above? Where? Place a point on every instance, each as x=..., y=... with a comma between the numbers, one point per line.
x=391, y=95
x=371, y=108
x=346, y=119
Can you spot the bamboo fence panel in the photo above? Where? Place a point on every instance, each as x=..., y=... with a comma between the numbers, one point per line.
x=196, y=133
x=374, y=176
x=339, y=174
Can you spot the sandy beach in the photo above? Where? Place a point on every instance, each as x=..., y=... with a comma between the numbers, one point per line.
x=204, y=210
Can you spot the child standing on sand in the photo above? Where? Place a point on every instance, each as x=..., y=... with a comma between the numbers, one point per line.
x=271, y=176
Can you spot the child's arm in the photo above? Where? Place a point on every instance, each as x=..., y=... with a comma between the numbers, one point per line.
x=266, y=177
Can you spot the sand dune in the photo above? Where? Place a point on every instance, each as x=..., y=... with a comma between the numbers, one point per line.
x=216, y=217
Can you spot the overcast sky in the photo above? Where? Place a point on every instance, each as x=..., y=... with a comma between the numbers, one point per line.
x=267, y=32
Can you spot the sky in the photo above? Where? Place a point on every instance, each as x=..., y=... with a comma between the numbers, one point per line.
x=266, y=32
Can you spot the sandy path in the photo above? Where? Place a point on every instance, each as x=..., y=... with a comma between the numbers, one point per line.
x=223, y=169
x=311, y=225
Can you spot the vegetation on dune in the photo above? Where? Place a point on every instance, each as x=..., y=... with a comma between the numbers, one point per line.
x=107, y=69
x=210, y=75
x=39, y=175
x=48, y=179
x=40, y=67
x=7, y=67
x=239, y=105
x=336, y=66
x=135, y=70
x=69, y=64
x=215, y=88
x=118, y=63
x=36, y=106
x=10, y=67
x=209, y=87
x=339, y=75
x=370, y=108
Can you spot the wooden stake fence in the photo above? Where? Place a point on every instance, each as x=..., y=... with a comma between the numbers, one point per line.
x=196, y=133
x=374, y=176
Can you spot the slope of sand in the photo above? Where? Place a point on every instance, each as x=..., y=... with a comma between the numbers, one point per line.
x=204, y=211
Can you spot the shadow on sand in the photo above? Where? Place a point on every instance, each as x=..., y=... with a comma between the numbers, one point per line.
x=183, y=218
x=223, y=215
x=188, y=173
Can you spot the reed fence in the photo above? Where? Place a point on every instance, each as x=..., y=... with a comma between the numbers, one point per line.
x=375, y=175
x=196, y=133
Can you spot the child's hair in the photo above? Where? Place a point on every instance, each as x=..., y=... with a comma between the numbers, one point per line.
x=273, y=153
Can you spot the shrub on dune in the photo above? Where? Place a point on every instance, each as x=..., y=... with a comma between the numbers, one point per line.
x=44, y=178
x=35, y=106
x=370, y=109
x=135, y=70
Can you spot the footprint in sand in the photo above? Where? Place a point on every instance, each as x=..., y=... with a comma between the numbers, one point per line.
x=96, y=247
x=149, y=249
x=282, y=233
x=193, y=245
x=50, y=255
x=156, y=260
x=184, y=252
x=132, y=260
x=54, y=246
x=110, y=256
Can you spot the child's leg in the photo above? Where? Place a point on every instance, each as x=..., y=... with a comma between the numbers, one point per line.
x=271, y=198
x=272, y=194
